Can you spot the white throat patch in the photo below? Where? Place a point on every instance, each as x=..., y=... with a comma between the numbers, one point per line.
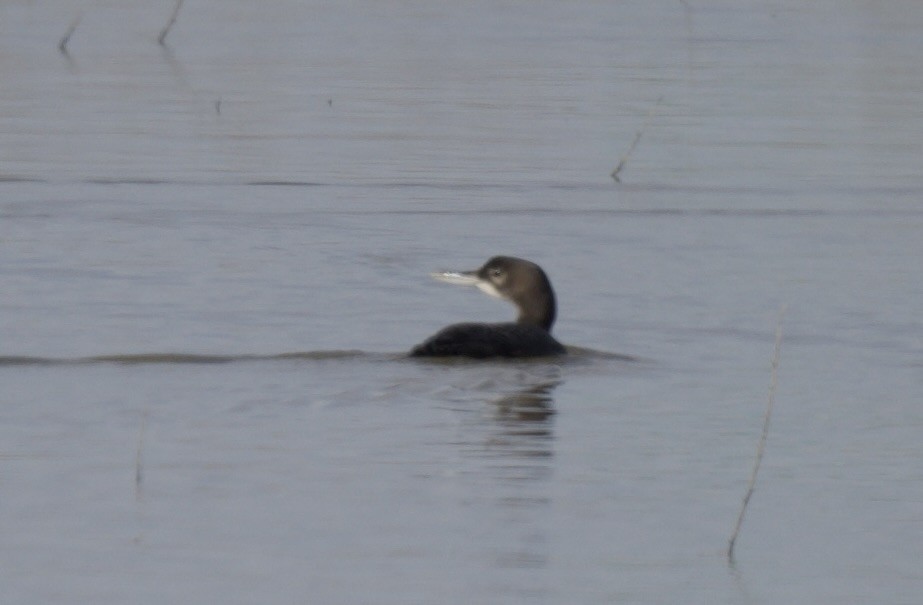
x=489, y=289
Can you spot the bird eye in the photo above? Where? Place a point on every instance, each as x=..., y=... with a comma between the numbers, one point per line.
x=496, y=273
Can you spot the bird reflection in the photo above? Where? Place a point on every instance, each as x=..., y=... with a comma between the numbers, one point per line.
x=520, y=445
x=527, y=412
x=521, y=426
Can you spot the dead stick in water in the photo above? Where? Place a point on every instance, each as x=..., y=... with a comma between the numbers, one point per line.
x=166, y=28
x=62, y=45
x=624, y=159
x=773, y=382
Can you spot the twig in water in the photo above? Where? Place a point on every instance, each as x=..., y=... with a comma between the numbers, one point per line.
x=139, y=459
x=62, y=45
x=624, y=159
x=166, y=28
x=773, y=382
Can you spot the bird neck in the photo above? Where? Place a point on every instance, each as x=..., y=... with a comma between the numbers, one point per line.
x=539, y=311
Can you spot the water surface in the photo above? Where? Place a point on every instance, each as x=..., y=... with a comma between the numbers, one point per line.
x=214, y=255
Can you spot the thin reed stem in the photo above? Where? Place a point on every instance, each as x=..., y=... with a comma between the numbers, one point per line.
x=761, y=446
x=166, y=28
x=62, y=45
x=139, y=459
x=634, y=143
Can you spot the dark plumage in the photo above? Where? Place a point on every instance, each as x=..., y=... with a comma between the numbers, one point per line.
x=525, y=285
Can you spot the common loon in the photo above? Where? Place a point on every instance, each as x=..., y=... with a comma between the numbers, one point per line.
x=519, y=281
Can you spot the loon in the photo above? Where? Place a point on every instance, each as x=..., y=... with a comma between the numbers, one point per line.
x=519, y=281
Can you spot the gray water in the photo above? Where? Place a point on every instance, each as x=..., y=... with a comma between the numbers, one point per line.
x=213, y=255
